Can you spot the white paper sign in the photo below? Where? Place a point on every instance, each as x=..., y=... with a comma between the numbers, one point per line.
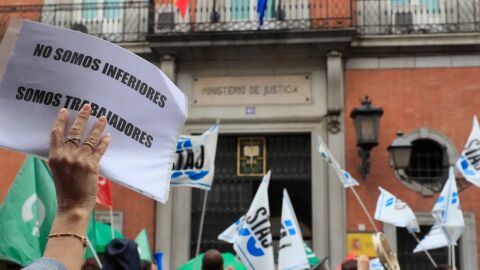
x=195, y=160
x=49, y=68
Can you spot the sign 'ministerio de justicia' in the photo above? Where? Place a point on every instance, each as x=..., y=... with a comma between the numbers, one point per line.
x=45, y=68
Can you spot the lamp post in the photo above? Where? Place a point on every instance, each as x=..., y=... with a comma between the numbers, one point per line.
x=367, y=123
x=400, y=151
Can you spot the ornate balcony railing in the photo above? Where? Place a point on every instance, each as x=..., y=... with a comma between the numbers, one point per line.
x=241, y=15
x=379, y=17
x=113, y=21
x=133, y=20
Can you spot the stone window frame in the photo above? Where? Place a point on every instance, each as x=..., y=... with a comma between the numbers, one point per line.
x=104, y=216
x=468, y=245
x=427, y=133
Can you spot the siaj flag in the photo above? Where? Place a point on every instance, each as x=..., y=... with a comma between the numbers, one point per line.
x=143, y=246
x=182, y=5
x=27, y=213
x=104, y=192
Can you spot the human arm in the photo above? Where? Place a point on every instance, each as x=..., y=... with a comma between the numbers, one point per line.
x=74, y=168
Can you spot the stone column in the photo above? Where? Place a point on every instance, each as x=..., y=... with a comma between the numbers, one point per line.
x=164, y=212
x=336, y=144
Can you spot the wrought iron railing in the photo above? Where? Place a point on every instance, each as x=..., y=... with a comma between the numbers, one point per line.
x=131, y=21
x=113, y=21
x=241, y=15
x=378, y=17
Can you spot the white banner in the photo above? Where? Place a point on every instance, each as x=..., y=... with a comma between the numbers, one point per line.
x=291, y=254
x=394, y=211
x=195, y=162
x=45, y=68
x=469, y=161
x=448, y=215
x=231, y=232
x=448, y=212
x=253, y=244
x=345, y=178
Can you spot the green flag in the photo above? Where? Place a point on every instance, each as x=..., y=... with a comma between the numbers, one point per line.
x=27, y=213
x=312, y=258
x=143, y=246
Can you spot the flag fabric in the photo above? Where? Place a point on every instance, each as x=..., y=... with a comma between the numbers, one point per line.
x=253, y=244
x=394, y=211
x=231, y=232
x=104, y=192
x=448, y=218
x=143, y=246
x=291, y=254
x=469, y=161
x=345, y=178
x=434, y=239
x=313, y=260
x=27, y=213
x=261, y=7
x=195, y=160
x=182, y=6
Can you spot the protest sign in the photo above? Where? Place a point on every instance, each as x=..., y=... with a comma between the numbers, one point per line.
x=45, y=68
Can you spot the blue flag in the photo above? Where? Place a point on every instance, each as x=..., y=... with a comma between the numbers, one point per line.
x=261, y=7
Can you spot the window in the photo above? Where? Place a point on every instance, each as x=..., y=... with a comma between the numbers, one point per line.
x=428, y=162
x=89, y=9
x=432, y=155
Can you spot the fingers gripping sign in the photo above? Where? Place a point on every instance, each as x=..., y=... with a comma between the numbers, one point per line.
x=74, y=166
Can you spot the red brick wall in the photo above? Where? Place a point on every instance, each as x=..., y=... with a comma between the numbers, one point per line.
x=443, y=99
x=138, y=210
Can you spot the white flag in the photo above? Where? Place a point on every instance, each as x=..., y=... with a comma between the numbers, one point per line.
x=394, y=211
x=291, y=255
x=231, y=232
x=447, y=211
x=434, y=239
x=344, y=177
x=469, y=161
x=195, y=160
x=448, y=216
x=253, y=244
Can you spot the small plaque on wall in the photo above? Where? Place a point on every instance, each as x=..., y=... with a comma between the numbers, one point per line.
x=251, y=156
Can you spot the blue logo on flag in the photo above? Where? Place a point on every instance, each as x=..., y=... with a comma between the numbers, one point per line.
x=465, y=166
x=390, y=202
x=289, y=227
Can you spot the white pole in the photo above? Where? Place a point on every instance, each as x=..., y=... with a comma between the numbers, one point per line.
x=449, y=255
x=111, y=223
x=94, y=253
x=364, y=209
x=424, y=250
x=200, y=229
x=454, y=266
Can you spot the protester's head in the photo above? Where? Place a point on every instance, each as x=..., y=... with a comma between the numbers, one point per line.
x=7, y=265
x=349, y=265
x=122, y=254
x=90, y=264
x=212, y=260
x=146, y=265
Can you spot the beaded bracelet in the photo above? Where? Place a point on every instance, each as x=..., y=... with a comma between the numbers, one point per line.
x=70, y=234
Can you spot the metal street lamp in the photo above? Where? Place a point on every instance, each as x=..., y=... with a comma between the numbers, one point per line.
x=400, y=151
x=367, y=123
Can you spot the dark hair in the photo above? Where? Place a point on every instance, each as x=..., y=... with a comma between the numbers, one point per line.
x=146, y=265
x=212, y=260
x=349, y=265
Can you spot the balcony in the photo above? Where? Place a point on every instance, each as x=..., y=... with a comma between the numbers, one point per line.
x=113, y=21
x=241, y=15
x=396, y=17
